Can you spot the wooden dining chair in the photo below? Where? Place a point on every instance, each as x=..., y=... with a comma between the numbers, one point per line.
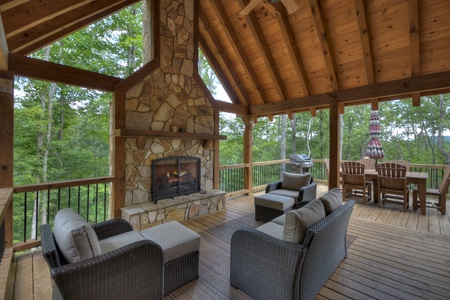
x=368, y=163
x=353, y=179
x=392, y=181
x=407, y=164
x=440, y=193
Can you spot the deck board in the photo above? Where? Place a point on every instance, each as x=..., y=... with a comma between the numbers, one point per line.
x=395, y=255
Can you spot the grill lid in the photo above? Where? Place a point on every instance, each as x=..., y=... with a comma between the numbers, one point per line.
x=299, y=157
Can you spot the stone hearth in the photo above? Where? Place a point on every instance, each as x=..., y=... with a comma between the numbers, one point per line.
x=181, y=208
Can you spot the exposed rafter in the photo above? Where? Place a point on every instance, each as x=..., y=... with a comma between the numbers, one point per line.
x=43, y=33
x=8, y=4
x=266, y=55
x=364, y=36
x=219, y=54
x=414, y=36
x=294, y=54
x=237, y=47
x=321, y=29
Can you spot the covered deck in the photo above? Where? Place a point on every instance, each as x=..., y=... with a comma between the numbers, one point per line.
x=392, y=255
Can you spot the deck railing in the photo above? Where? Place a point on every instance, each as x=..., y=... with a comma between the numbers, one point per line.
x=38, y=203
x=270, y=171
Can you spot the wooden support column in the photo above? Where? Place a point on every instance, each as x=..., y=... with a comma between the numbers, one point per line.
x=118, y=156
x=335, y=131
x=216, y=161
x=248, y=155
x=7, y=145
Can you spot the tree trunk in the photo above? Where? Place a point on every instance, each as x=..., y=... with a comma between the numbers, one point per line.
x=441, y=129
x=294, y=133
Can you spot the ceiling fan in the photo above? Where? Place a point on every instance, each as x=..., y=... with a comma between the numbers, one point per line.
x=291, y=6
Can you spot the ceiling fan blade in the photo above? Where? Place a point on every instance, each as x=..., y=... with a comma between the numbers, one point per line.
x=249, y=7
x=291, y=6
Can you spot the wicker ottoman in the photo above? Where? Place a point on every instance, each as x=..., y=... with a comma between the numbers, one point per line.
x=181, y=252
x=269, y=206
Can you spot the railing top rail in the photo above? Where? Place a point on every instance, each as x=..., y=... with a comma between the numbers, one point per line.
x=238, y=166
x=270, y=162
x=61, y=184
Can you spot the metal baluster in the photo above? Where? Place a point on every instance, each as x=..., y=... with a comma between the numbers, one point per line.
x=69, y=195
x=96, y=203
x=79, y=197
x=37, y=215
x=25, y=218
x=59, y=199
x=87, y=205
x=104, y=203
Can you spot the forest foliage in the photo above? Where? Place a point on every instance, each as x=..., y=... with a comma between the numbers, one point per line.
x=62, y=132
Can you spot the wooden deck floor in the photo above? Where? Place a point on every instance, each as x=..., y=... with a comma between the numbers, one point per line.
x=395, y=255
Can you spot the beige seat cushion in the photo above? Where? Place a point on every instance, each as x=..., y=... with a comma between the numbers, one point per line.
x=175, y=239
x=75, y=237
x=120, y=240
x=331, y=200
x=274, y=201
x=299, y=220
x=286, y=193
x=293, y=181
x=272, y=229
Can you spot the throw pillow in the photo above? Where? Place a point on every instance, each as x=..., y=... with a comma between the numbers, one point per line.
x=332, y=200
x=299, y=220
x=292, y=181
x=75, y=237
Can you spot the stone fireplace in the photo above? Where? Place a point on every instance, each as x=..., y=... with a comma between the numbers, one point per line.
x=169, y=114
x=175, y=176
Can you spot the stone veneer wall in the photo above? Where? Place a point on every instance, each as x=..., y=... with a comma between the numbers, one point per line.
x=168, y=100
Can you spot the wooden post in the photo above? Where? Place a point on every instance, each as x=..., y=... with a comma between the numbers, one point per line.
x=248, y=155
x=118, y=156
x=7, y=145
x=335, y=132
x=216, y=182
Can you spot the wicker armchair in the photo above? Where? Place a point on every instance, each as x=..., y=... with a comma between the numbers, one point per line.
x=392, y=181
x=353, y=179
x=265, y=267
x=134, y=271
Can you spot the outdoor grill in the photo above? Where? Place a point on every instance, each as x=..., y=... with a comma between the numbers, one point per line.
x=301, y=163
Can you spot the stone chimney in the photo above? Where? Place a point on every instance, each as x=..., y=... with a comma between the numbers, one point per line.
x=169, y=99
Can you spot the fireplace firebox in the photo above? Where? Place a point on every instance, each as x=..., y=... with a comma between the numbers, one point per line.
x=175, y=176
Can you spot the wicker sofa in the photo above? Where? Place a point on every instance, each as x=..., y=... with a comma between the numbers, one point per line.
x=292, y=256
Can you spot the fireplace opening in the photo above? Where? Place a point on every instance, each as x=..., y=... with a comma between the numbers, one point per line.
x=175, y=176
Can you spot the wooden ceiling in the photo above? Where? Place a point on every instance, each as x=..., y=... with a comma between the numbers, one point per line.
x=351, y=51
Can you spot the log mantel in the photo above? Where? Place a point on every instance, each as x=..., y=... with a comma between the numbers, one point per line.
x=207, y=138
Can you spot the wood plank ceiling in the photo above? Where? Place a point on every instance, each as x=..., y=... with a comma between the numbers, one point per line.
x=270, y=62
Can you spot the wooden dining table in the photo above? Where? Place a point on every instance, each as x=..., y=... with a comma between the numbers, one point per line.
x=418, y=178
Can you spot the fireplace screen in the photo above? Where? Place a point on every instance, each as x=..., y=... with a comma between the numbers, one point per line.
x=175, y=176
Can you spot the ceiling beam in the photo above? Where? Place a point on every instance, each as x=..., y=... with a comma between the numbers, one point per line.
x=233, y=39
x=207, y=35
x=48, y=71
x=4, y=52
x=294, y=54
x=325, y=43
x=396, y=88
x=231, y=108
x=261, y=43
x=48, y=32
